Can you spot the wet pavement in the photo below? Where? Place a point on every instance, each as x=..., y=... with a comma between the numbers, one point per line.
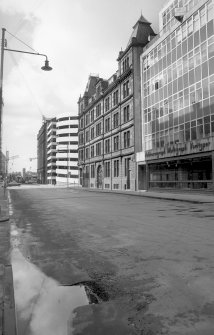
x=111, y=264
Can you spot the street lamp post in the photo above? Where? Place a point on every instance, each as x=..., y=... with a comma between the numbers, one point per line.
x=46, y=67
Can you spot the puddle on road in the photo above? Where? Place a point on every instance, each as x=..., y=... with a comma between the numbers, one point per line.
x=42, y=306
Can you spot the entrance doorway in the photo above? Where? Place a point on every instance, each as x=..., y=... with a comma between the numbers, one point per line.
x=141, y=177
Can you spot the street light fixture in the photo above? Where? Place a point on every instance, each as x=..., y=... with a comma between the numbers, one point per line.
x=46, y=67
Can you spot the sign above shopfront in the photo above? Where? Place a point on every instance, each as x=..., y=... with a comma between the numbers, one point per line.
x=181, y=149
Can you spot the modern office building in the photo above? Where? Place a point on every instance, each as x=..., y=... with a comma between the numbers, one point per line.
x=42, y=153
x=67, y=150
x=110, y=120
x=51, y=151
x=177, y=81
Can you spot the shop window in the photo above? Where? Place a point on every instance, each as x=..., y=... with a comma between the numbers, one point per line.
x=207, y=129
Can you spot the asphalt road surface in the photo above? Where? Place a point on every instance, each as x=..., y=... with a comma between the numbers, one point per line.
x=146, y=265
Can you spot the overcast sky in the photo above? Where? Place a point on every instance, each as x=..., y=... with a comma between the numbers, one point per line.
x=80, y=37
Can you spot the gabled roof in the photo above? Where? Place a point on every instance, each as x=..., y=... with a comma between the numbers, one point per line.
x=142, y=20
x=141, y=31
x=91, y=85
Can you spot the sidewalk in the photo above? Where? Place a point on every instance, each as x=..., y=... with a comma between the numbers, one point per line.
x=188, y=196
x=7, y=305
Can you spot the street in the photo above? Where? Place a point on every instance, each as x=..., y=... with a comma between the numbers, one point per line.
x=146, y=264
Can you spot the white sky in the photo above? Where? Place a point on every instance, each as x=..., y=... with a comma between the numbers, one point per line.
x=79, y=37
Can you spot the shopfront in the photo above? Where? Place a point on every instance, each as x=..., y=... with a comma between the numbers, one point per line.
x=184, y=166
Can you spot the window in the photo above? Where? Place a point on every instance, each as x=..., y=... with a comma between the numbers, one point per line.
x=92, y=133
x=81, y=141
x=81, y=122
x=98, y=129
x=190, y=26
x=87, y=136
x=125, y=64
x=126, y=89
x=196, y=23
x=107, y=169
x=116, y=168
x=92, y=151
x=116, y=120
x=87, y=119
x=87, y=153
x=81, y=155
x=209, y=10
x=127, y=166
x=126, y=114
x=115, y=98
x=98, y=110
x=107, y=124
x=92, y=115
x=202, y=14
x=92, y=171
x=107, y=104
x=126, y=139
x=98, y=149
x=107, y=146
x=116, y=143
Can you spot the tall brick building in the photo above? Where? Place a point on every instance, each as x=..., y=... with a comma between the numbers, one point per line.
x=110, y=120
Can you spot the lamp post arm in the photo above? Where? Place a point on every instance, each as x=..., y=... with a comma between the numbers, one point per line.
x=26, y=52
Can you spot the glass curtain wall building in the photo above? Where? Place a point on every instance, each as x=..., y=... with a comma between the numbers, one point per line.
x=177, y=77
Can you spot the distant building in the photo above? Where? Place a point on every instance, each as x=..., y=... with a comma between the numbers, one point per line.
x=42, y=153
x=67, y=150
x=110, y=120
x=177, y=81
x=51, y=151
